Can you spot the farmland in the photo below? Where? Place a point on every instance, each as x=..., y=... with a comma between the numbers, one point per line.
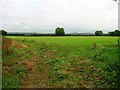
x=55, y=62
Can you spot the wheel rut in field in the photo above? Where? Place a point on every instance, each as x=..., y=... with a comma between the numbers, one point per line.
x=36, y=77
x=40, y=77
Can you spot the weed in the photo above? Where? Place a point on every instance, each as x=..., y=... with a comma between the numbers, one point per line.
x=59, y=76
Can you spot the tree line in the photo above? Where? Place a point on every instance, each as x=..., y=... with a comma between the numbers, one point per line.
x=61, y=32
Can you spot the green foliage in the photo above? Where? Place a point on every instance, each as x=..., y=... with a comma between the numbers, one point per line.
x=59, y=31
x=110, y=64
x=99, y=56
x=98, y=33
x=10, y=82
x=58, y=75
x=3, y=32
x=112, y=74
x=19, y=69
x=15, y=80
x=114, y=33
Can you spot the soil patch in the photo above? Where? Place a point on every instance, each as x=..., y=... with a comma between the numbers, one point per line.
x=19, y=45
x=29, y=66
x=50, y=54
x=37, y=79
x=6, y=43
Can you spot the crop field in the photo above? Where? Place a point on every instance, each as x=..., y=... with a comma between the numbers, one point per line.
x=60, y=62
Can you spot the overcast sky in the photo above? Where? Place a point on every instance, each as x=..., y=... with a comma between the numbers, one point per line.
x=45, y=15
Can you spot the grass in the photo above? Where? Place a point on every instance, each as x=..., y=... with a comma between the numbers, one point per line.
x=68, y=62
x=72, y=40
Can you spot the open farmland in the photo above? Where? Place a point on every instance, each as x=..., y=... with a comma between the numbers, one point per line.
x=60, y=62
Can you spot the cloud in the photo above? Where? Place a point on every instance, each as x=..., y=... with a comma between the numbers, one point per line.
x=45, y=15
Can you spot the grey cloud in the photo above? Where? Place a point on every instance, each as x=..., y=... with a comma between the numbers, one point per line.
x=45, y=15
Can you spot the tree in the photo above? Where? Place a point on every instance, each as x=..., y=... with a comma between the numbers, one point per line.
x=59, y=31
x=114, y=33
x=117, y=33
x=98, y=33
x=3, y=32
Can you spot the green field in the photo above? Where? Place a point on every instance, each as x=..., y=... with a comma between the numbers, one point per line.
x=61, y=62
